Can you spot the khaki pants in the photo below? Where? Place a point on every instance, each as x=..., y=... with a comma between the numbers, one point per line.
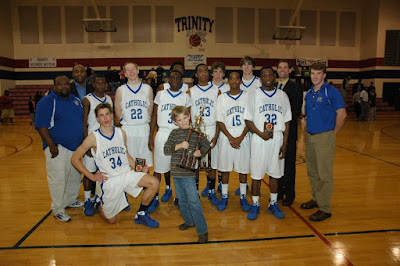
x=63, y=179
x=320, y=152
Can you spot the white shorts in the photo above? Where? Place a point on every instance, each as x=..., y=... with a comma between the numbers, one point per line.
x=111, y=192
x=162, y=162
x=210, y=131
x=229, y=158
x=88, y=162
x=138, y=142
x=265, y=157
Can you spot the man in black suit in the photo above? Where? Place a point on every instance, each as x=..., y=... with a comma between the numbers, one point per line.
x=295, y=94
x=80, y=87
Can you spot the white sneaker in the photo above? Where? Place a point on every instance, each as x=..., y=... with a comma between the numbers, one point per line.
x=62, y=217
x=76, y=204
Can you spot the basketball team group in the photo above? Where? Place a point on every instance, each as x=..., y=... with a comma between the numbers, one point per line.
x=248, y=125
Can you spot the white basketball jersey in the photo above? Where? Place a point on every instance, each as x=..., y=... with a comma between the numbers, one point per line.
x=135, y=104
x=249, y=85
x=204, y=96
x=166, y=101
x=224, y=87
x=94, y=101
x=268, y=106
x=231, y=110
x=111, y=156
x=184, y=87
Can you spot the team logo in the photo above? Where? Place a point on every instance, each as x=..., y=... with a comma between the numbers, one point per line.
x=76, y=102
x=319, y=99
x=196, y=37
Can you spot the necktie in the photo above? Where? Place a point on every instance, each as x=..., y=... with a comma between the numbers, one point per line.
x=280, y=86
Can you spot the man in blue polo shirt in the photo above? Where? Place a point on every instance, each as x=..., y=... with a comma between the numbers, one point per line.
x=59, y=123
x=326, y=114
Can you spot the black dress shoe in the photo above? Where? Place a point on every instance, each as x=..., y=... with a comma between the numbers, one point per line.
x=309, y=205
x=280, y=196
x=287, y=202
x=320, y=216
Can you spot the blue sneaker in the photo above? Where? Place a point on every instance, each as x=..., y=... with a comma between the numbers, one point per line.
x=255, y=210
x=167, y=195
x=222, y=203
x=88, y=208
x=274, y=208
x=211, y=197
x=219, y=187
x=237, y=191
x=245, y=204
x=176, y=202
x=146, y=220
x=153, y=205
x=204, y=193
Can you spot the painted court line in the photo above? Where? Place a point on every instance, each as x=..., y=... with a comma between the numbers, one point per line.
x=316, y=232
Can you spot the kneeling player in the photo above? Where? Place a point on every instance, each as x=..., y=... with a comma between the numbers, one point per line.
x=267, y=104
x=234, y=143
x=115, y=176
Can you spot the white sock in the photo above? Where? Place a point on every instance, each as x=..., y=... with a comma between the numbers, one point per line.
x=87, y=194
x=141, y=213
x=224, y=190
x=255, y=199
x=167, y=187
x=243, y=188
x=274, y=198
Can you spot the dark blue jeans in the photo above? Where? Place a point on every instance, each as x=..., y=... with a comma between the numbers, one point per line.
x=189, y=203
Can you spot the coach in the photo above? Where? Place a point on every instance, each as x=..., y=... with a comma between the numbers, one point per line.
x=326, y=114
x=295, y=94
x=59, y=123
x=80, y=87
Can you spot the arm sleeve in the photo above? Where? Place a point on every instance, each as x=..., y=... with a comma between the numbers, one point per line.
x=336, y=99
x=169, y=146
x=44, y=112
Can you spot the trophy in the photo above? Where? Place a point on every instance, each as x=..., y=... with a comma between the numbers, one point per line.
x=188, y=160
x=269, y=127
x=139, y=164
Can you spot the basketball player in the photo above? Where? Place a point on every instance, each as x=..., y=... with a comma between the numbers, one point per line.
x=178, y=66
x=163, y=104
x=249, y=81
x=267, y=104
x=90, y=124
x=109, y=149
x=218, y=72
x=204, y=96
x=134, y=108
x=234, y=143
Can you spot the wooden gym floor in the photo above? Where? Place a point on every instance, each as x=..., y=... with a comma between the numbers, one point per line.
x=364, y=228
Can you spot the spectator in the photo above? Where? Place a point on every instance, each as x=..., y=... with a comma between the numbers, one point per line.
x=357, y=103
x=364, y=104
x=88, y=70
x=32, y=108
x=160, y=74
x=372, y=105
x=38, y=96
x=122, y=79
x=7, y=110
